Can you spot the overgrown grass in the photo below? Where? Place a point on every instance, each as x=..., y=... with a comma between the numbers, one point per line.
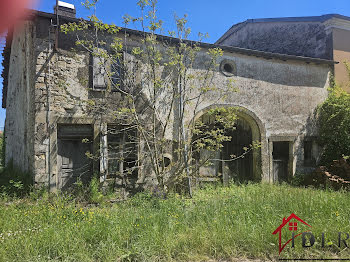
x=218, y=223
x=14, y=182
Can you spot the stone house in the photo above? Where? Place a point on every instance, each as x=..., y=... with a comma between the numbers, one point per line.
x=45, y=122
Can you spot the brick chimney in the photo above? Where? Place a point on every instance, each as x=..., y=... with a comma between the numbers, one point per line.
x=65, y=9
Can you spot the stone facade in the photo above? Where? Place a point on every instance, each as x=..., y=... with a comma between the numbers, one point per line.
x=277, y=98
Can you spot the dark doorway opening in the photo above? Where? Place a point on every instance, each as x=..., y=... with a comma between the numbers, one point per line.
x=280, y=156
x=234, y=162
x=73, y=142
x=241, y=169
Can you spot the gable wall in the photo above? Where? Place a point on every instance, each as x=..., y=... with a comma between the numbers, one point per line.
x=308, y=39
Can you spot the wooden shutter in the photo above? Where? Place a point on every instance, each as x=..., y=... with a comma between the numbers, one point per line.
x=99, y=73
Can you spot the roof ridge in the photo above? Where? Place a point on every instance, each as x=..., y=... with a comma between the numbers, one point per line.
x=233, y=49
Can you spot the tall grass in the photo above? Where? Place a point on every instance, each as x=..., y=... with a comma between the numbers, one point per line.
x=14, y=182
x=218, y=223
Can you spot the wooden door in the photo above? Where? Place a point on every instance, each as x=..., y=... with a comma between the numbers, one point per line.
x=280, y=156
x=73, y=163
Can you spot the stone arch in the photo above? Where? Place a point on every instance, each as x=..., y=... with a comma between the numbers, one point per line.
x=260, y=162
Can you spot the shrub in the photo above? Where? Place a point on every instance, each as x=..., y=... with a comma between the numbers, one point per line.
x=14, y=182
x=334, y=126
x=95, y=195
x=314, y=180
x=87, y=192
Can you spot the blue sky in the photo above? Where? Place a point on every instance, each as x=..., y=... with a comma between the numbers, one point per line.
x=206, y=16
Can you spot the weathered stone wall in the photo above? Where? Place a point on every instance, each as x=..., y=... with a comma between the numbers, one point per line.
x=281, y=96
x=63, y=96
x=293, y=38
x=19, y=124
x=278, y=96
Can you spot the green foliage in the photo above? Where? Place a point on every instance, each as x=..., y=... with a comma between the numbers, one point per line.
x=14, y=182
x=224, y=116
x=219, y=224
x=95, y=194
x=334, y=126
x=312, y=179
x=89, y=3
x=211, y=135
x=88, y=193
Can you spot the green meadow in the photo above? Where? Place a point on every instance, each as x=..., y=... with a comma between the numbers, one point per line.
x=218, y=223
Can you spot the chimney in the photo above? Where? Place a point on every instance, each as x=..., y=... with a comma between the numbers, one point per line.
x=65, y=9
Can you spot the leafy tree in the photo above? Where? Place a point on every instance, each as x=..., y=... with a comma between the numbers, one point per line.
x=155, y=86
x=334, y=125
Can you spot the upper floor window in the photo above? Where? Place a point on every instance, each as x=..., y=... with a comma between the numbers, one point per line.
x=116, y=75
x=106, y=72
x=228, y=67
x=99, y=67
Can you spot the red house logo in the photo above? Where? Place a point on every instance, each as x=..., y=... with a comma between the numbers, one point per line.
x=291, y=223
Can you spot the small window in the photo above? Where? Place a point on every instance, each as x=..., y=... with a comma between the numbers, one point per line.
x=310, y=152
x=116, y=75
x=99, y=67
x=228, y=68
x=105, y=71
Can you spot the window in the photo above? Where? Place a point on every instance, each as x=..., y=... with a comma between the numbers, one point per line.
x=228, y=67
x=99, y=66
x=101, y=77
x=116, y=75
x=310, y=152
x=122, y=151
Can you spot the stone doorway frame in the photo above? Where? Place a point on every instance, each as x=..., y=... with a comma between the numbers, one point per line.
x=261, y=168
x=291, y=139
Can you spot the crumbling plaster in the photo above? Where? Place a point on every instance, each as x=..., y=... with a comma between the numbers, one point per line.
x=281, y=97
x=19, y=124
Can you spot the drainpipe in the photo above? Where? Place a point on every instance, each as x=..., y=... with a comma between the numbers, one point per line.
x=57, y=25
x=48, y=97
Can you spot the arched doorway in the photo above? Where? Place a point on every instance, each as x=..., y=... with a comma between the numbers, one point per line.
x=235, y=160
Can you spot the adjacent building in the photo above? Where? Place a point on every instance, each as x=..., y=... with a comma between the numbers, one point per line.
x=326, y=37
